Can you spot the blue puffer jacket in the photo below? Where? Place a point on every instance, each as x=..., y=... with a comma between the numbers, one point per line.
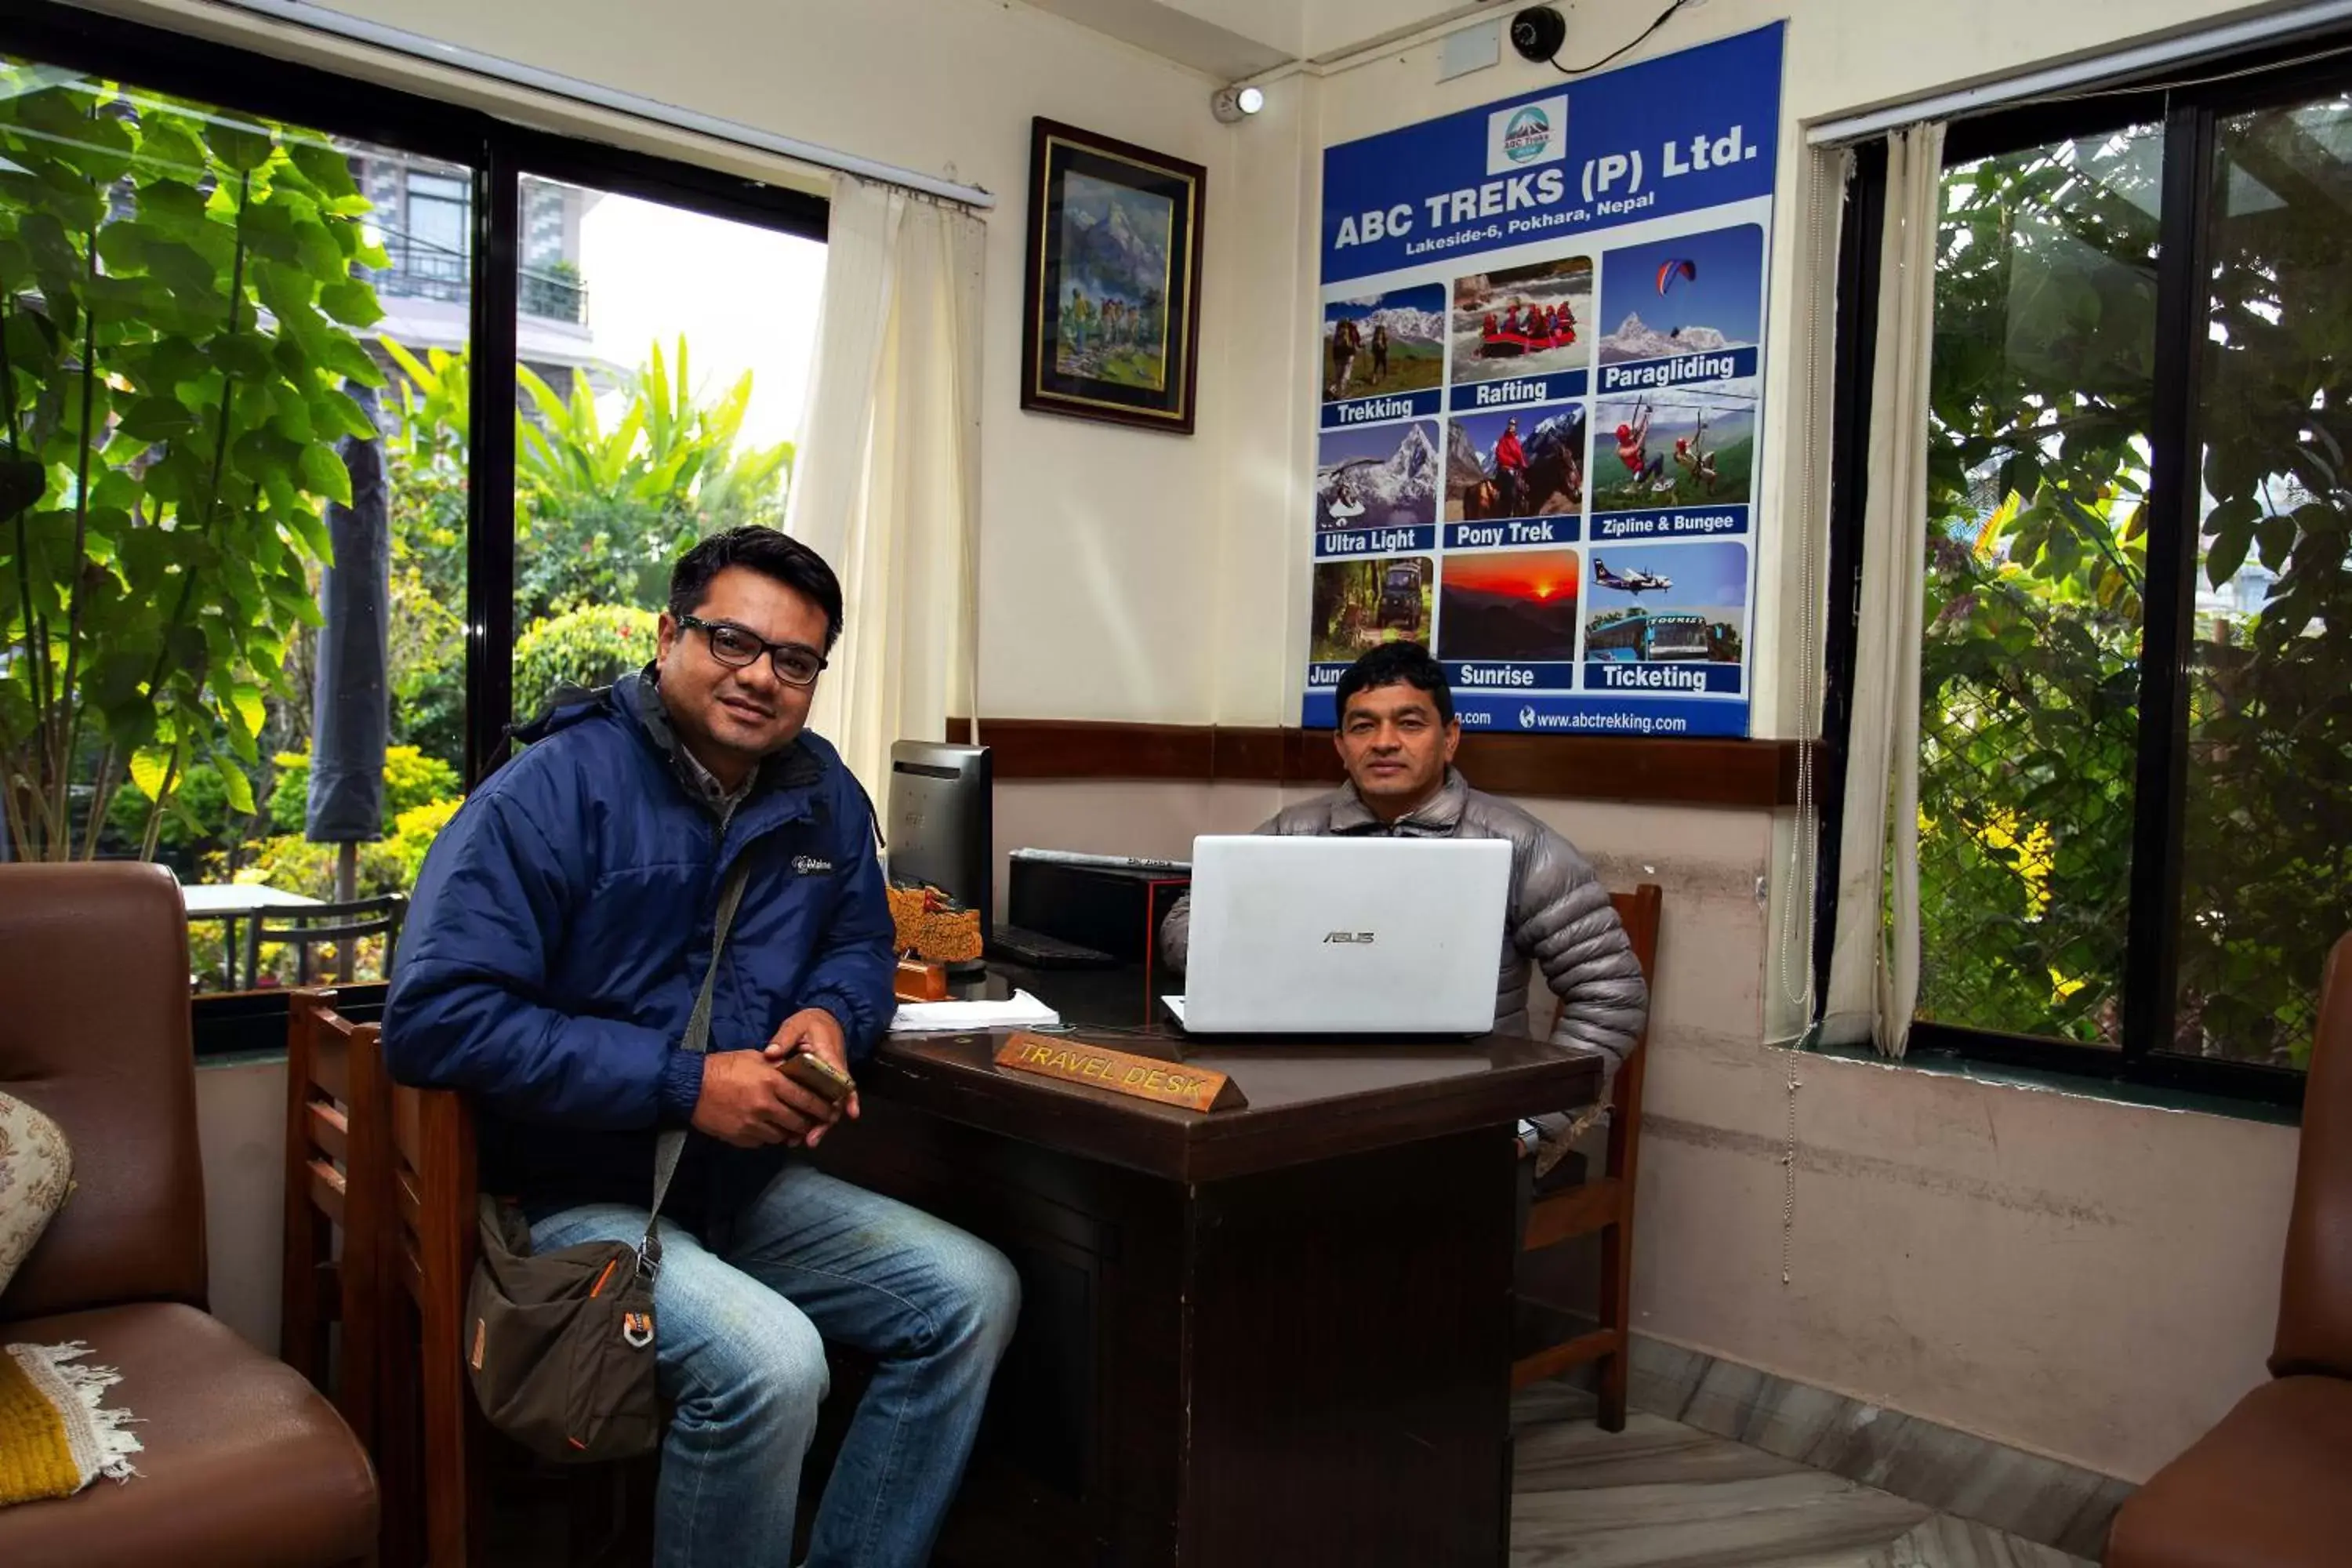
x=560, y=930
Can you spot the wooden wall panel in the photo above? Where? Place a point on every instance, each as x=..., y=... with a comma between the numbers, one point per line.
x=1757, y=774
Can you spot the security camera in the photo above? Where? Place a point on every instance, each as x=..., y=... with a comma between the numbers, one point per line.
x=1538, y=32
x=1235, y=104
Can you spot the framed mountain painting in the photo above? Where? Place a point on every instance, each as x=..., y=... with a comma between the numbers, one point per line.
x=1112, y=323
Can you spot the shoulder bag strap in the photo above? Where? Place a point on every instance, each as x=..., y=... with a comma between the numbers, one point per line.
x=670, y=1144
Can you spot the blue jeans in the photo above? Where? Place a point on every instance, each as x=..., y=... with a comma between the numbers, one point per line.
x=742, y=1357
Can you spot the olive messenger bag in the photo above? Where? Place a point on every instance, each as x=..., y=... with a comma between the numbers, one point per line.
x=562, y=1347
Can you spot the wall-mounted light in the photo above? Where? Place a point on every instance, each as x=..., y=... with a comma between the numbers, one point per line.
x=1235, y=104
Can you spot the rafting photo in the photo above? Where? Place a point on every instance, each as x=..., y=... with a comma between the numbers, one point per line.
x=1359, y=604
x=1659, y=603
x=1529, y=463
x=1384, y=343
x=1510, y=604
x=1696, y=293
x=1525, y=321
x=1381, y=476
x=1682, y=447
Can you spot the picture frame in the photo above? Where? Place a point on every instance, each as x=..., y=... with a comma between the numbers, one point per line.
x=1111, y=317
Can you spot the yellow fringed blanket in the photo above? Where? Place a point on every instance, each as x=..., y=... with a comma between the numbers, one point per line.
x=55, y=1438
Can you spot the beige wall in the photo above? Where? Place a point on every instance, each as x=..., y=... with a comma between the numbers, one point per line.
x=2068, y=1275
x=241, y=1131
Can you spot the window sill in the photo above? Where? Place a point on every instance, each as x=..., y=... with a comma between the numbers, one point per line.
x=2083, y=1086
x=250, y=1026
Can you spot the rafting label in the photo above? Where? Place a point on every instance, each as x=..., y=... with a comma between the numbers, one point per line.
x=1539, y=371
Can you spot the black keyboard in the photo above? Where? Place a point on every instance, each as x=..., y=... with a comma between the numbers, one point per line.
x=1034, y=950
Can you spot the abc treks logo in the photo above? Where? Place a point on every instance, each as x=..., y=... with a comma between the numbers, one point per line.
x=1528, y=136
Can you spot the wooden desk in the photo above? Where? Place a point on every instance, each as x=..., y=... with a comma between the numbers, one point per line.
x=1271, y=1335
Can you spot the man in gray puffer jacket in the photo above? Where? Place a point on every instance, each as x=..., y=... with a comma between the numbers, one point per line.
x=1397, y=737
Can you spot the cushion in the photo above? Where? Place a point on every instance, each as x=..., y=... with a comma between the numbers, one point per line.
x=36, y=1173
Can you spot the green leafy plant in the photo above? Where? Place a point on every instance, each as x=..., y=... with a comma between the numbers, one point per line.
x=389, y=865
x=602, y=513
x=2043, y=393
x=411, y=779
x=425, y=469
x=197, y=817
x=177, y=292
x=592, y=646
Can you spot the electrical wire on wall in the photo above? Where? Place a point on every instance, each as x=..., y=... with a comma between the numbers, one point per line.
x=1646, y=35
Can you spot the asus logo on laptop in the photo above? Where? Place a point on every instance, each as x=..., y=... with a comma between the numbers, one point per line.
x=1364, y=937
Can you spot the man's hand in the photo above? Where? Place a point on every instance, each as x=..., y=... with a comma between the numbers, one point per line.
x=817, y=1032
x=747, y=1102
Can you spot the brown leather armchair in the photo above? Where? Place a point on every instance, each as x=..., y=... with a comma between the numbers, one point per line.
x=244, y=1466
x=2267, y=1487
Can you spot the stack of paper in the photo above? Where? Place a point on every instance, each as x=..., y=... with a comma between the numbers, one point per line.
x=1022, y=1012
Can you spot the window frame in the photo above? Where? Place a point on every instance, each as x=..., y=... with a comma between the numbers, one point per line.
x=2187, y=112
x=497, y=152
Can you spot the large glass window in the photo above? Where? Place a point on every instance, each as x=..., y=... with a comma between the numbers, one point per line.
x=668, y=417
x=2136, y=720
x=194, y=404
x=2266, y=810
x=2043, y=393
x=258, y=565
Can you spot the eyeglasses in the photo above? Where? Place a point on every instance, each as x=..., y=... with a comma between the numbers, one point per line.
x=735, y=647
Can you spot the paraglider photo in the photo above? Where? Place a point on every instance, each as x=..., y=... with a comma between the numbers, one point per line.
x=1524, y=464
x=1381, y=476
x=1358, y=604
x=1384, y=343
x=1696, y=293
x=1527, y=320
x=1513, y=604
x=1675, y=447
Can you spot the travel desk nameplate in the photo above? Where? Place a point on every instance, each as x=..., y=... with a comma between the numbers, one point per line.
x=1121, y=1072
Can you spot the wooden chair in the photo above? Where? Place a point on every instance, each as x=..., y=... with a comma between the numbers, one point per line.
x=434, y=1464
x=306, y=926
x=337, y=1155
x=1605, y=1203
x=440, y=1457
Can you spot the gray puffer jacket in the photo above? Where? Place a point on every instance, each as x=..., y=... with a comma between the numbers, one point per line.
x=1560, y=918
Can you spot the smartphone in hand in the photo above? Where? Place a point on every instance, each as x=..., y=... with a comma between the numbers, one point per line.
x=818, y=1076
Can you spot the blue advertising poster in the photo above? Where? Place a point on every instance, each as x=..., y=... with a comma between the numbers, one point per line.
x=1540, y=365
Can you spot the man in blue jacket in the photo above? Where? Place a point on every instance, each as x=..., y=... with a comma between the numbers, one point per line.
x=560, y=930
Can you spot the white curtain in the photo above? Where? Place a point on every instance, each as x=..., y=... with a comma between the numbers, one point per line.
x=1875, y=965
x=887, y=482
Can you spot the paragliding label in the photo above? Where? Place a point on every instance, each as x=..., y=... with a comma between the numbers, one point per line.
x=1541, y=375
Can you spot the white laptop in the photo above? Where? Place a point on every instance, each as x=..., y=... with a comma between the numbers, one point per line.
x=1361, y=936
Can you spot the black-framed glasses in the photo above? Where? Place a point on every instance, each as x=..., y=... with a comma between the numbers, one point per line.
x=796, y=664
